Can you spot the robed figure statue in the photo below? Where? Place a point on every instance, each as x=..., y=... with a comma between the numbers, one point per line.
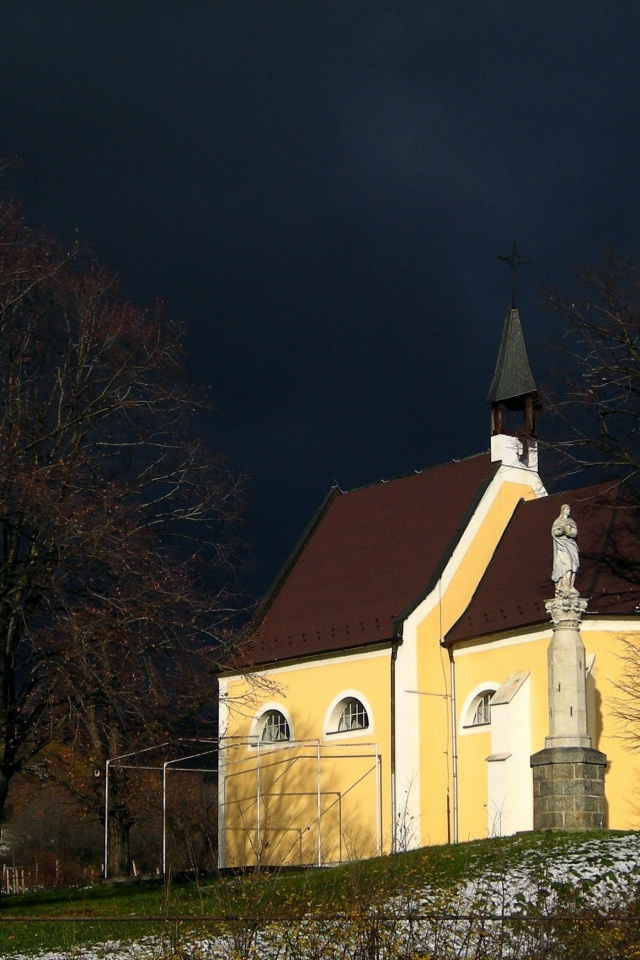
x=566, y=558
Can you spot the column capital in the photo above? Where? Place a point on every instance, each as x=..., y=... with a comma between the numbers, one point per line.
x=566, y=610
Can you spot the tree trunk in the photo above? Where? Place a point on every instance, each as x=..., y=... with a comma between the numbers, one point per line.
x=118, y=827
x=118, y=847
x=4, y=790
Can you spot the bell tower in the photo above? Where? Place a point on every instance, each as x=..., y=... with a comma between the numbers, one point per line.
x=513, y=395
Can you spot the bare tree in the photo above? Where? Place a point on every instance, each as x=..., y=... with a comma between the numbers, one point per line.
x=599, y=411
x=599, y=404
x=115, y=522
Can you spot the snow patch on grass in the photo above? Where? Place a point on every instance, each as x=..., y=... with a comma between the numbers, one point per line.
x=603, y=873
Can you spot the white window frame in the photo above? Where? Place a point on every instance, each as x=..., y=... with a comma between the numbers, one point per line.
x=353, y=716
x=276, y=725
x=260, y=721
x=482, y=712
x=331, y=727
x=468, y=722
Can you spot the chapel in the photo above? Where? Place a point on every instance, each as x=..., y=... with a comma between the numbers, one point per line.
x=415, y=675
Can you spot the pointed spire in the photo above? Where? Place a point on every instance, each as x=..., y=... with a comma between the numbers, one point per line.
x=512, y=379
x=513, y=390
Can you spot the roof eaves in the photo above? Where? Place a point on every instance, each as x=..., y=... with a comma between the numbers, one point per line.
x=287, y=661
x=524, y=625
x=528, y=627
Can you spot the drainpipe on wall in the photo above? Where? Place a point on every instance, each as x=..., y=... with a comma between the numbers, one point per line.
x=392, y=763
x=454, y=744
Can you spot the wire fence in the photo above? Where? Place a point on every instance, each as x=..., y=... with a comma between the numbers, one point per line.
x=339, y=936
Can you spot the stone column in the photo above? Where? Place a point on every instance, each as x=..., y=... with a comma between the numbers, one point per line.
x=568, y=775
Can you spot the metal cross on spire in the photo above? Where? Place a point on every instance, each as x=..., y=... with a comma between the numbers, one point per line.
x=514, y=260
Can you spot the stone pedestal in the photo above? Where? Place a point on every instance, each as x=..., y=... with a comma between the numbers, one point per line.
x=568, y=775
x=566, y=675
x=568, y=789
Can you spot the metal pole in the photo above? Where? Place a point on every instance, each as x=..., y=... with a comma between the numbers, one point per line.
x=393, y=751
x=106, y=821
x=123, y=756
x=222, y=805
x=454, y=746
x=319, y=812
x=258, y=810
x=378, y=805
x=164, y=820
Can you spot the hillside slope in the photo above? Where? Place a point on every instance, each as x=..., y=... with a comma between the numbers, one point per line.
x=491, y=899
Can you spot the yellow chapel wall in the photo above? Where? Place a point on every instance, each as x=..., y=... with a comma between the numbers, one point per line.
x=493, y=660
x=486, y=665
x=324, y=797
x=433, y=683
x=622, y=774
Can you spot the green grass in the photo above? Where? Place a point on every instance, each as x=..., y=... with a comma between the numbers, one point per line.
x=143, y=909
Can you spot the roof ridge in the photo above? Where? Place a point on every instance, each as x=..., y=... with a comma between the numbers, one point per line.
x=591, y=490
x=414, y=473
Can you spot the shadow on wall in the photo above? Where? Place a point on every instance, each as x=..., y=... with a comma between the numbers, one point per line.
x=301, y=803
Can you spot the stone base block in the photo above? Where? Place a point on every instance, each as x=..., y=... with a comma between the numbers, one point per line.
x=568, y=789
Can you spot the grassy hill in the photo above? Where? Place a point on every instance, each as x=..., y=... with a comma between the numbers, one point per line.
x=408, y=905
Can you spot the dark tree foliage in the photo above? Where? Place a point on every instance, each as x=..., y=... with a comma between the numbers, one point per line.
x=599, y=411
x=115, y=522
x=599, y=397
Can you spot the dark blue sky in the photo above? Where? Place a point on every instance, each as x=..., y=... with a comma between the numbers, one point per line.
x=321, y=191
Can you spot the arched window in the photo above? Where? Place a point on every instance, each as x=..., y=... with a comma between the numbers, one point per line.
x=348, y=714
x=480, y=712
x=353, y=716
x=275, y=727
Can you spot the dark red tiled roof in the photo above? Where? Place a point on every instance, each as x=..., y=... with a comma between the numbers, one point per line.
x=517, y=582
x=371, y=554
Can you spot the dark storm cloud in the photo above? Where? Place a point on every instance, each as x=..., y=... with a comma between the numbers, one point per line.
x=321, y=191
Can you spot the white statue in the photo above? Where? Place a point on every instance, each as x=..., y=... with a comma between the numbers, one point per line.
x=566, y=558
